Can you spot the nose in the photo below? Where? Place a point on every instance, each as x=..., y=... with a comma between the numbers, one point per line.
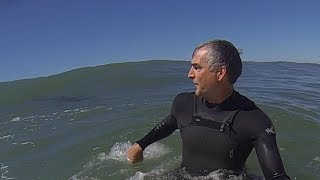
x=191, y=73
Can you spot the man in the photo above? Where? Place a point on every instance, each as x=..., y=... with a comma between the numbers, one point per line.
x=218, y=126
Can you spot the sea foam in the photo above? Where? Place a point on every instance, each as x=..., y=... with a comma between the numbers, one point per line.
x=119, y=150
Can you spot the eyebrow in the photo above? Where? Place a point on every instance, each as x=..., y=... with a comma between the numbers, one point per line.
x=195, y=64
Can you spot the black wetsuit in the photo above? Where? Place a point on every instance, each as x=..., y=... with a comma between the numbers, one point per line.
x=220, y=136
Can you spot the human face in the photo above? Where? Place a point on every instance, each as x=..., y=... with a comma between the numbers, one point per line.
x=204, y=79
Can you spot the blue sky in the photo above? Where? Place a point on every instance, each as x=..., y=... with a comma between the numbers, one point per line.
x=40, y=38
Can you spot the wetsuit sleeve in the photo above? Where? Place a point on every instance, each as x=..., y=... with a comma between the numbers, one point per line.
x=163, y=129
x=269, y=158
x=160, y=131
x=267, y=151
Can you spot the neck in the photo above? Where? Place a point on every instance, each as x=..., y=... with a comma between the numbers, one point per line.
x=221, y=95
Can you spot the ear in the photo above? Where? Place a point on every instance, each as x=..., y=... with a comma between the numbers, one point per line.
x=222, y=73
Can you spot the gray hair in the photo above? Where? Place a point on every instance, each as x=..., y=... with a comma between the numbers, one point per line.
x=222, y=53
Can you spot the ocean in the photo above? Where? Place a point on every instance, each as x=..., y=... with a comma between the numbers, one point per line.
x=78, y=124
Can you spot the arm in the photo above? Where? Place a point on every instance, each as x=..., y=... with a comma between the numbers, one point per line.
x=162, y=130
x=269, y=158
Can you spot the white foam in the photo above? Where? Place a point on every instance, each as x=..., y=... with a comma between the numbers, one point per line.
x=155, y=150
x=138, y=176
x=4, y=170
x=95, y=148
x=160, y=172
x=220, y=174
x=129, y=104
x=28, y=142
x=317, y=159
x=84, y=110
x=6, y=136
x=15, y=119
x=75, y=177
x=4, y=167
x=314, y=165
x=119, y=151
x=31, y=117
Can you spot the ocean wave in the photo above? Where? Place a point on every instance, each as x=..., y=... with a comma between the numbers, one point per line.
x=109, y=104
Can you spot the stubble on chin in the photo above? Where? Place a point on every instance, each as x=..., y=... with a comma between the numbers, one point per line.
x=198, y=92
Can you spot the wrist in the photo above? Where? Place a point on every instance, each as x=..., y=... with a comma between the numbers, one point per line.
x=140, y=144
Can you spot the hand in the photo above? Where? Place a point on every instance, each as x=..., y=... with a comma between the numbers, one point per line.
x=135, y=153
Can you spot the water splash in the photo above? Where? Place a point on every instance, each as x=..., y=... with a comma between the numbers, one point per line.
x=119, y=151
x=215, y=175
x=161, y=173
x=115, y=162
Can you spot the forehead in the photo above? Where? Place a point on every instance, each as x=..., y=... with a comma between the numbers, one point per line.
x=200, y=56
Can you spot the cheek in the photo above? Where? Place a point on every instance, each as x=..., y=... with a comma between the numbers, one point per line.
x=209, y=80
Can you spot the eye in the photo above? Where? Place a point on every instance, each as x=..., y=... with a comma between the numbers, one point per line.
x=197, y=68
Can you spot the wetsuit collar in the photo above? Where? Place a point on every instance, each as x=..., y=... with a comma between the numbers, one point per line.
x=225, y=105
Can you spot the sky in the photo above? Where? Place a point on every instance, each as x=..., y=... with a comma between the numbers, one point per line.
x=44, y=37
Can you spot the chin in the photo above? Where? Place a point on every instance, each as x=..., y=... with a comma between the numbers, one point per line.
x=197, y=93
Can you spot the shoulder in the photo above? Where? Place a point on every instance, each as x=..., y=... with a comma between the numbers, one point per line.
x=255, y=123
x=251, y=119
x=244, y=103
x=183, y=97
x=183, y=100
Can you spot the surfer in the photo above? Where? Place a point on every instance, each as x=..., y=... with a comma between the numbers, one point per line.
x=219, y=127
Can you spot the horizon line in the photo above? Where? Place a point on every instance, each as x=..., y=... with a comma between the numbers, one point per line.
x=136, y=61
